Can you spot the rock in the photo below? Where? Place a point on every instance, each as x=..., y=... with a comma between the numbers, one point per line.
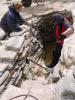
x=67, y=59
x=26, y=43
x=44, y=92
x=56, y=70
x=26, y=71
x=25, y=52
x=13, y=91
x=3, y=77
x=3, y=68
x=65, y=88
x=2, y=34
x=2, y=88
x=28, y=84
x=14, y=34
x=7, y=56
x=18, y=79
x=15, y=76
x=38, y=90
x=15, y=43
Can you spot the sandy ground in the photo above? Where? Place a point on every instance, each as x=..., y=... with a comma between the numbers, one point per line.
x=40, y=9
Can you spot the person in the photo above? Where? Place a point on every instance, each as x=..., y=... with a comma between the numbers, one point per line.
x=63, y=28
x=12, y=19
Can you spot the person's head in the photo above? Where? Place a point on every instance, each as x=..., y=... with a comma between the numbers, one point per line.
x=58, y=18
x=17, y=5
x=69, y=17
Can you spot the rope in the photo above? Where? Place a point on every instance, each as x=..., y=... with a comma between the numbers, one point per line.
x=27, y=60
x=24, y=95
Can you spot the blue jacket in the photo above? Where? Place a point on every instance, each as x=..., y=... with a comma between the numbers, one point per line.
x=11, y=20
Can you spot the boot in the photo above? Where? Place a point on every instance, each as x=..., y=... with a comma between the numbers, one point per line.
x=56, y=55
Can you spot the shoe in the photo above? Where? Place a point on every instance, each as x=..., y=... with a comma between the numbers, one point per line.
x=56, y=79
x=50, y=66
x=49, y=70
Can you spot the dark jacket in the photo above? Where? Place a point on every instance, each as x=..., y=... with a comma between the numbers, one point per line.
x=60, y=20
x=11, y=20
x=61, y=24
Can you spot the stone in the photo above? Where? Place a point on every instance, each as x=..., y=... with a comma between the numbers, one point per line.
x=25, y=52
x=14, y=34
x=18, y=79
x=13, y=91
x=2, y=34
x=2, y=88
x=56, y=71
x=67, y=58
x=3, y=68
x=65, y=88
x=43, y=92
x=4, y=76
x=7, y=56
x=28, y=84
x=15, y=76
x=15, y=43
x=26, y=70
x=39, y=90
x=26, y=43
x=26, y=34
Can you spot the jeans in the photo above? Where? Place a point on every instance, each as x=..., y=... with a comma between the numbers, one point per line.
x=56, y=54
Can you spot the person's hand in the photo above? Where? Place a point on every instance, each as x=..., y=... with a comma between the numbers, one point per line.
x=61, y=36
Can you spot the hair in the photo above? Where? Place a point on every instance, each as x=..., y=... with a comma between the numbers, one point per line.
x=68, y=15
x=17, y=2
